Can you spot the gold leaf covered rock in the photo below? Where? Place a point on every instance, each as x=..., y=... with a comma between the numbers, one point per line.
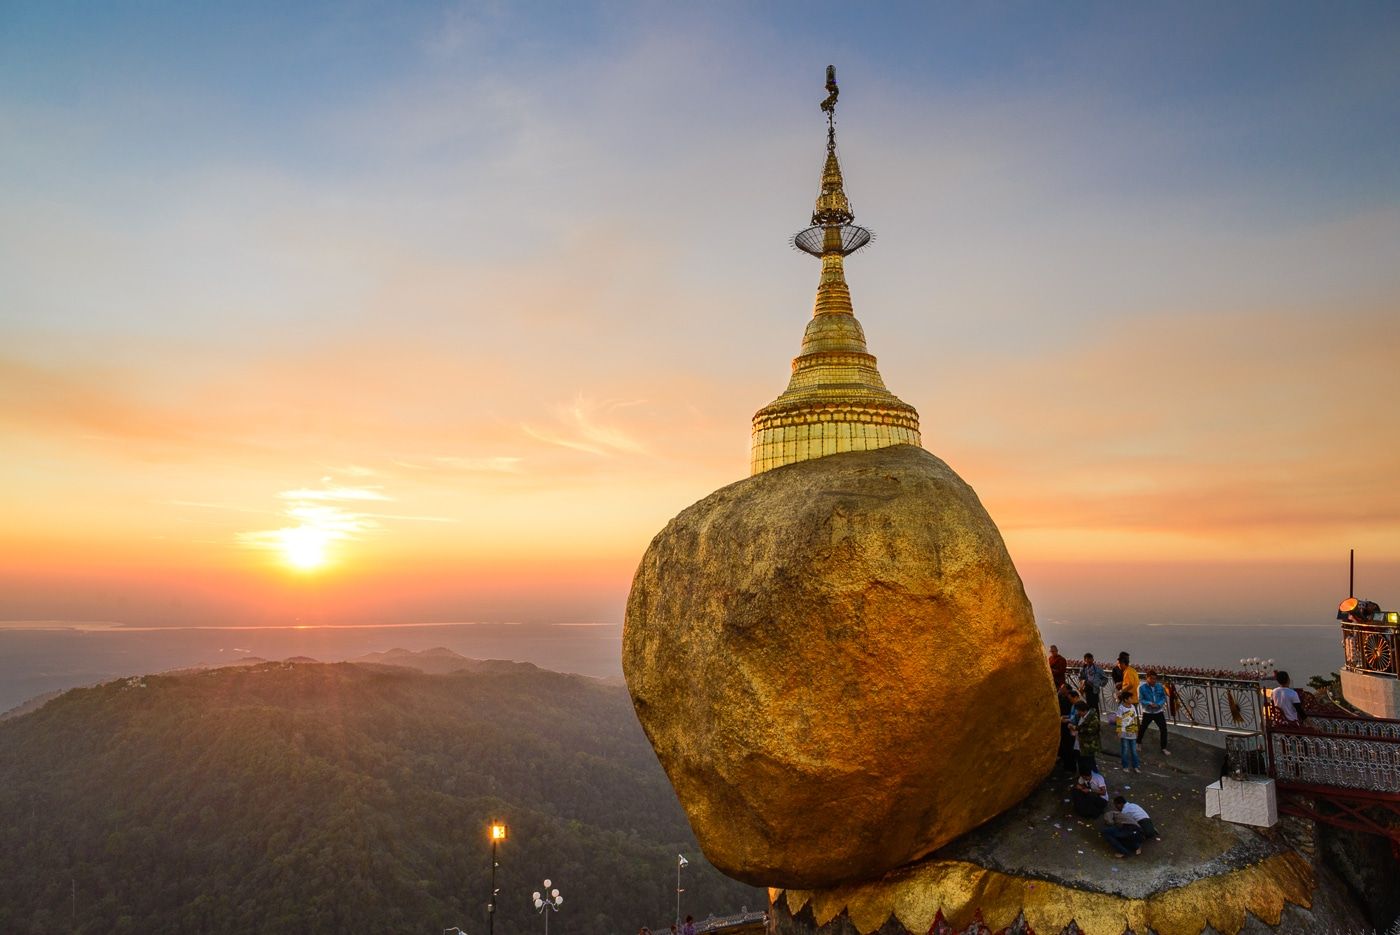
x=838, y=667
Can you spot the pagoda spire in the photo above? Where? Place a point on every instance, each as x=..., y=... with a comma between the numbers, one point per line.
x=836, y=400
x=832, y=205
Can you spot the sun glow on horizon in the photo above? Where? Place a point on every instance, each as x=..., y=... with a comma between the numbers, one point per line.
x=304, y=547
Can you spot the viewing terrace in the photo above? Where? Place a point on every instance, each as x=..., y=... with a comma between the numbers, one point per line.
x=1333, y=766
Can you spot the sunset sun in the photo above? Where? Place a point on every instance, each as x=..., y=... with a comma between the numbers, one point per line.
x=304, y=547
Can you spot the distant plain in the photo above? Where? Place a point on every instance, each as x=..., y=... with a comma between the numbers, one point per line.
x=43, y=656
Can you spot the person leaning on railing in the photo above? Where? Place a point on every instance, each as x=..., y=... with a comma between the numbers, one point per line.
x=1286, y=701
x=1092, y=676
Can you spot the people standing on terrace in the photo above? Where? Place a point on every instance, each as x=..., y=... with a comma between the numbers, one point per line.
x=1153, y=696
x=1125, y=677
x=1127, y=720
x=1058, y=664
x=1092, y=679
x=1086, y=734
x=1068, y=750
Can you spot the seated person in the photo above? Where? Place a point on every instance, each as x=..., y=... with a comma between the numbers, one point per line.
x=1089, y=794
x=1139, y=814
x=1121, y=831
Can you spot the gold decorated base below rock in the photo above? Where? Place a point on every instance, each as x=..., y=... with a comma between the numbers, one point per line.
x=958, y=895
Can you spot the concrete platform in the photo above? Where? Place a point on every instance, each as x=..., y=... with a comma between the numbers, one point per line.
x=1040, y=867
x=1043, y=837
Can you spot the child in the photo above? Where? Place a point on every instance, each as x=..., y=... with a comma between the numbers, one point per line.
x=1121, y=831
x=1127, y=719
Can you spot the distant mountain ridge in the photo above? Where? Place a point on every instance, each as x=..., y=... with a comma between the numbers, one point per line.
x=436, y=661
x=440, y=661
x=307, y=797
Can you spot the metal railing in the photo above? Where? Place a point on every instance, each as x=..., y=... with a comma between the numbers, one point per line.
x=724, y=923
x=1246, y=755
x=1371, y=647
x=1313, y=754
x=1363, y=727
x=1329, y=750
x=1223, y=704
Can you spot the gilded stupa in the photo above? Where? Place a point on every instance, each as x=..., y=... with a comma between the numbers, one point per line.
x=836, y=400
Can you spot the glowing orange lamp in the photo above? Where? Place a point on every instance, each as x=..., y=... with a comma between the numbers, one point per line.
x=497, y=834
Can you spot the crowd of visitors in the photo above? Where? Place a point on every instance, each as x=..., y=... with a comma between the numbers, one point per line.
x=1141, y=704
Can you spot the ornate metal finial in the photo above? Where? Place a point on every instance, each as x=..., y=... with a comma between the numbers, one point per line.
x=831, y=230
x=829, y=107
x=832, y=91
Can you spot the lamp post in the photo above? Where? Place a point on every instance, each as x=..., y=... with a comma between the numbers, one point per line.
x=680, y=862
x=1259, y=668
x=548, y=900
x=498, y=834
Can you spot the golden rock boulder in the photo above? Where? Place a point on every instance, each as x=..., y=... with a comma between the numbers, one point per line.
x=838, y=667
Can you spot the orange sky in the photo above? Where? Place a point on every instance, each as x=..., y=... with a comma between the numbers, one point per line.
x=491, y=335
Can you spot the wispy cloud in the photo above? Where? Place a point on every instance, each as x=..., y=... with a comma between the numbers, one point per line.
x=228, y=507
x=499, y=464
x=317, y=520
x=333, y=493
x=581, y=428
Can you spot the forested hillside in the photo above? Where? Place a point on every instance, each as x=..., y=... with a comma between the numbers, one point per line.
x=340, y=798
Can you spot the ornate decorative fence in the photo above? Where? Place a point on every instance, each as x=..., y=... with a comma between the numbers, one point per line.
x=1350, y=753
x=1220, y=704
x=1364, y=727
x=718, y=925
x=1230, y=704
x=1371, y=647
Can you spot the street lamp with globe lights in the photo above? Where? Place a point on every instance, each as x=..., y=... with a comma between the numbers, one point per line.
x=549, y=899
x=680, y=862
x=1259, y=668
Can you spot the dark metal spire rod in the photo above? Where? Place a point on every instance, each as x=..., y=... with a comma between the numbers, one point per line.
x=829, y=106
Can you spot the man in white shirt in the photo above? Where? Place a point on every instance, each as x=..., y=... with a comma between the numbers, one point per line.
x=1089, y=794
x=1138, y=814
x=1286, y=699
